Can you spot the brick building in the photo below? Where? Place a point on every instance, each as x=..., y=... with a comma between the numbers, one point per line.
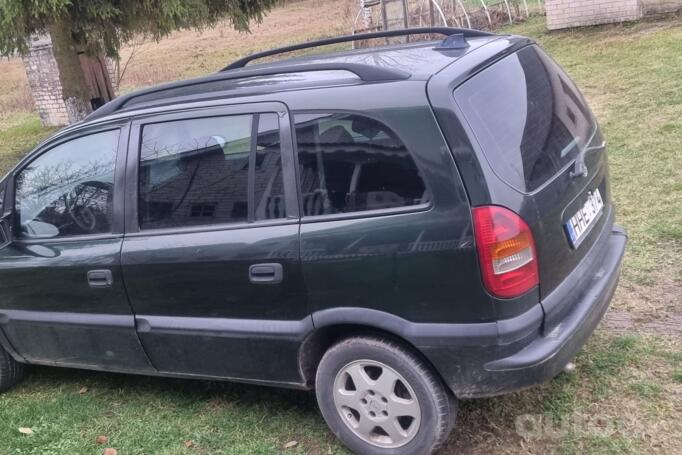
x=43, y=78
x=578, y=13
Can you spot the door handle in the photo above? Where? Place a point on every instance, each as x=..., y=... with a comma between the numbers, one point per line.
x=266, y=273
x=100, y=278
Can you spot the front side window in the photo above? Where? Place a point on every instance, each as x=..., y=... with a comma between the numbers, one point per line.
x=351, y=163
x=197, y=171
x=69, y=190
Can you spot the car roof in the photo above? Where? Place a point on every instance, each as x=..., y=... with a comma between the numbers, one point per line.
x=420, y=59
x=411, y=61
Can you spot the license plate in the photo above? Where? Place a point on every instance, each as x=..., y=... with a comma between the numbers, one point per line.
x=582, y=221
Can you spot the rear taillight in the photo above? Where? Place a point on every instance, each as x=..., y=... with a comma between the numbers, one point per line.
x=506, y=250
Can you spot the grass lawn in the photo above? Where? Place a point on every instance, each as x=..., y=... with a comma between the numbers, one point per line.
x=626, y=395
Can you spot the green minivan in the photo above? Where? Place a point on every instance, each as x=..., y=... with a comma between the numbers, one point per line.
x=395, y=227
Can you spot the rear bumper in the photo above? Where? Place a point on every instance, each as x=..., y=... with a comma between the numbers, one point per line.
x=536, y=345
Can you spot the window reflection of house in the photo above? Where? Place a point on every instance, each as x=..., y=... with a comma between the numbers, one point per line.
x=196, y=171
x=202, y=210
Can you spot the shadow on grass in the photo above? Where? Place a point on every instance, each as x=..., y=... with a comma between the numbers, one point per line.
x=180, y=391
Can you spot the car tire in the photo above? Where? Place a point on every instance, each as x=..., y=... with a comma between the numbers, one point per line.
x=398, y=406
x=11, y=371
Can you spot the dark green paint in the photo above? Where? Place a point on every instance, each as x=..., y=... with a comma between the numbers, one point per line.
x=181, y=303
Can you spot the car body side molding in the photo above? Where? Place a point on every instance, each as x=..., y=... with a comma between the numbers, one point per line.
x=77, y=319
x=435, y=334
x=226, y=328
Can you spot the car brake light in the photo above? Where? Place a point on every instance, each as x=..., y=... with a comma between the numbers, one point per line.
x=506, y=251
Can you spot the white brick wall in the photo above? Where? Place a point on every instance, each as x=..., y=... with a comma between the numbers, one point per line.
x=43, y=78
x=578, y=13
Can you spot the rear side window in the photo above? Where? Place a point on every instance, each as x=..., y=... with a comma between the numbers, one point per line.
x=201, y=171
x=351, y=163
x=528, y=117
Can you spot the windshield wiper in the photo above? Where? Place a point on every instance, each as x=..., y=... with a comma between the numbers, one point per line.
x=579, y=168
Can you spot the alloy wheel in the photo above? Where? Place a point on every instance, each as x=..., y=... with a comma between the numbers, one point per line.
x=377, y=403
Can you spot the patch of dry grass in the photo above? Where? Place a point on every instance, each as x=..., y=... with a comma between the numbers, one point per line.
x=15, y=95
x=188, y=53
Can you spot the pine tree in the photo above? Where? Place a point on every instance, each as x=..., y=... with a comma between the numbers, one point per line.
x=101, y=27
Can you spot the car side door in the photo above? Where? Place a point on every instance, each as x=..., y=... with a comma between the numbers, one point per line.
x=62, y=299
x=211, y=253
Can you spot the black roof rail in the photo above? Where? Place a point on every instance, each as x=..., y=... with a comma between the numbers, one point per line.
x=368, y=73
x=446, y=31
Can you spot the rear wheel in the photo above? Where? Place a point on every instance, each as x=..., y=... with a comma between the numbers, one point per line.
x=380, y=398
x=11, y=371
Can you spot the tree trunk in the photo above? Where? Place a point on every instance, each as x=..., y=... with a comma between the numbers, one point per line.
x=75, y=88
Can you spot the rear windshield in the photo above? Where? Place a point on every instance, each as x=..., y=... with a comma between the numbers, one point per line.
x=528, y=117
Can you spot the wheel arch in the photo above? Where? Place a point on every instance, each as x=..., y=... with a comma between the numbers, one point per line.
x=334, y=325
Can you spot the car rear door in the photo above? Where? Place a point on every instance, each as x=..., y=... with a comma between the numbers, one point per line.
x=62, y=299
x=543, y=155
x=211, y=253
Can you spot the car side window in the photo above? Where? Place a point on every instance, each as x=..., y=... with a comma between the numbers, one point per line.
x=351, y=163
x=69, y=189
x=196, y=172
